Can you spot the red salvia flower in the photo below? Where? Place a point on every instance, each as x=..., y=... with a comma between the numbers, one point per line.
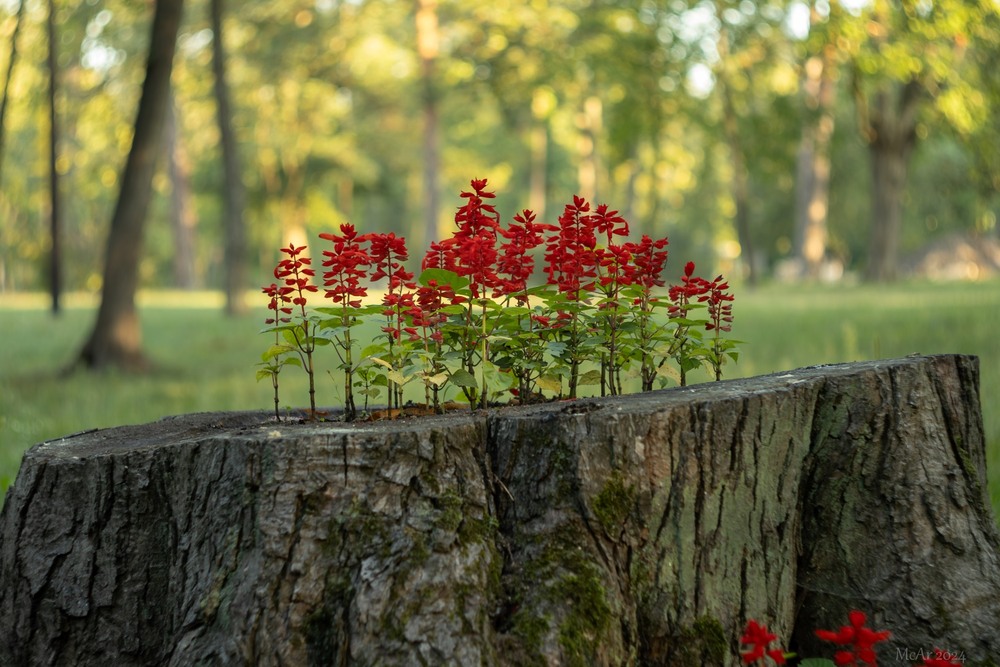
x=616, y=265
x=279, y=297
x=680, y=295
x=441, y=255
x=609, y=223
x=571, y=260
x=387, y=253
x=477, y=256
x=757, y=637
x=515, y=264
x=296, y=272
x=431, y=298
x=859, y=638
x=720, y=308
x=474, y=242
x=649, y=258
x=476, y=215
x=348, y=265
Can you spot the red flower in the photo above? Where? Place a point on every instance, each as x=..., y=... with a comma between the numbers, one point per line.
x=348, y=265
x=757, y=637
x=609, y=223
x=649, y=258
x=681, y=295
x=476, y=257
x=476, y=215
x=858, y=637
x=515, y=264
x=279, y=296
x=472, y=248
x=441, y=256
x=387, y=253
x=616, y=266
x=296, y=272
x=572, y=261
x=720, y=309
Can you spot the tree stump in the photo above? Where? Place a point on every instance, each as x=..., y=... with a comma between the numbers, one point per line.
x=636, y=530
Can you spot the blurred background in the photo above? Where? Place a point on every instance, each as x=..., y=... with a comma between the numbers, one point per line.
x=746, y=131
x=834, y=159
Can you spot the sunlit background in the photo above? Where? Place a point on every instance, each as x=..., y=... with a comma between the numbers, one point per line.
x=703, y=121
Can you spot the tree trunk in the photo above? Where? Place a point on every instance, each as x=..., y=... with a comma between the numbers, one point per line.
x=896, y=518
x=889, y=166
x=589, y=124
x=55, y=206
x=183, y=219
x=116, y=339
x=538, y=150
x=644, y=529
x=812, y=183
x=5, y=96
x=890, y=127
x=739, y=186
x=428, y=45
x=234, y=230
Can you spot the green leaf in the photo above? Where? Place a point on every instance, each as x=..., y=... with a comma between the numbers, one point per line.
x=590, y=377
x=373, y=350
x=381, y=362
x=556, y=348
x=464, y=378
x=332, y=328
x=549, y=383
x=398, y=378
x=443, y=277
x=669, y=372
x=276, y=351
x=436, y=380
x=265, y=373
x=497, y=379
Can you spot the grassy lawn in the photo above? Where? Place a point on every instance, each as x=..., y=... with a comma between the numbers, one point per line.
x=206, y=361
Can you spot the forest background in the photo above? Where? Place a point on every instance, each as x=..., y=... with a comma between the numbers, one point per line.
x=816, y=137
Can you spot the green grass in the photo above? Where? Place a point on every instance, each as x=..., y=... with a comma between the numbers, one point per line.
x=206, y=361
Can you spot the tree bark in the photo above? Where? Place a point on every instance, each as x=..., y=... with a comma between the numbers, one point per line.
x=644, y=529
x=812, y=182
x=740, y=180
x=889, y=125
x=538, y=143
x=5, y=96
x=183, y=218
x=428, y=46
x=234, y=230
x=116, y=338
x=896, y=518
x=589, y=125
x=55, y=205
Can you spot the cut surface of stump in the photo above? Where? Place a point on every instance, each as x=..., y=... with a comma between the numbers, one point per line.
x=636, y=530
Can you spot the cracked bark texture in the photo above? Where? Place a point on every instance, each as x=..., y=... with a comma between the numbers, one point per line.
x=638, y=530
